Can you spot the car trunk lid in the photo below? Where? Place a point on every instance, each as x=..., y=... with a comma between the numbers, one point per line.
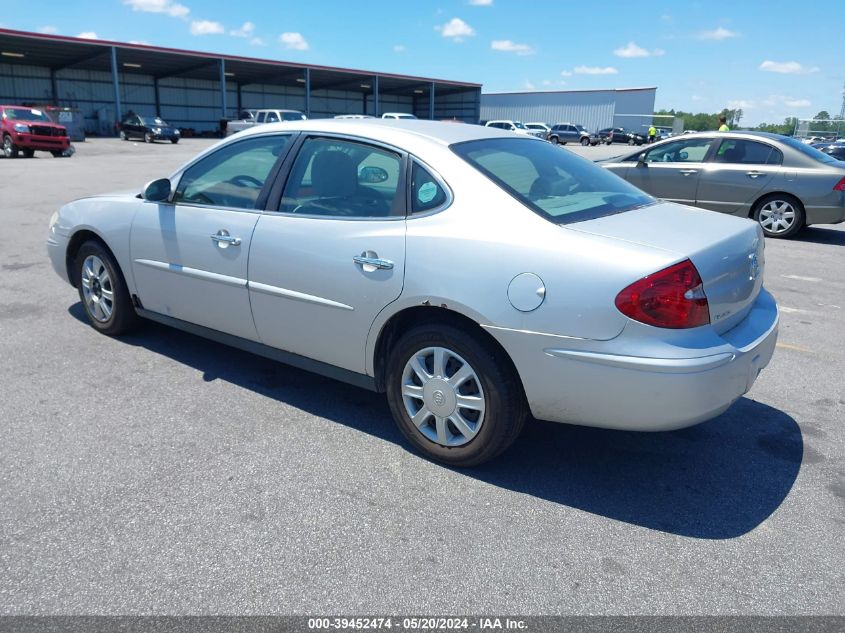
x=727, y=251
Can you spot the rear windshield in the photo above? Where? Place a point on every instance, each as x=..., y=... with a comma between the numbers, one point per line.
x=812, y=152
x=556, y=184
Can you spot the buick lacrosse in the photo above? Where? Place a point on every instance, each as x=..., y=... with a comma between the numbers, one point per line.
x=474, y=275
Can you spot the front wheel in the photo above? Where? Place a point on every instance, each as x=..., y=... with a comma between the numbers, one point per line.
x=57, y=153
x=174, y=140
x=103, y=291
x=454, y=397
x=124, y=136
x=148, y=138
x=585, y=142
x=779, y=215
x=10, y=150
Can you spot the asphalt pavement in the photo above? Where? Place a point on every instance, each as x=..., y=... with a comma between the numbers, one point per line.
x=163, y=474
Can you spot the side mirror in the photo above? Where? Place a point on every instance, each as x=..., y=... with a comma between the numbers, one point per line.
x=372, y=175
x=641, y=160
x=157, y=190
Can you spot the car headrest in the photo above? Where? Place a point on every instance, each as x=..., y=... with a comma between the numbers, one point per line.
x=333, y=174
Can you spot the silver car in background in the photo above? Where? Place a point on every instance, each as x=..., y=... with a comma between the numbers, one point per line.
x=777, y=180
x=472, y=274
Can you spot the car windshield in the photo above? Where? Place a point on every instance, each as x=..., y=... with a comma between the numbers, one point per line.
x=519, y=125
x=580, y=128
x=559, y=186
x=25, y=114
x=812, y=152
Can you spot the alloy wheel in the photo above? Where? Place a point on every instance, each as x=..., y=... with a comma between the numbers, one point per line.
x=443, y=397
x=97, y=289
x=777, y=216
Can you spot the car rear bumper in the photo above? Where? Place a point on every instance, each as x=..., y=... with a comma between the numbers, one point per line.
x=826, y=214
x=38, y=142
x=565, y=381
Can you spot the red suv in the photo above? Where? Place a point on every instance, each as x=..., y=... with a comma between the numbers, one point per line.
x=25, y=130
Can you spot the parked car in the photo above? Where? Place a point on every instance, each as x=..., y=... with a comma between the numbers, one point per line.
x=511, y=126
x=397, y=115
x=540, y=130
x=354, y=116
x=620, y=135
x=487, y=275
x=564, y=133
x=27, y=130
x=777, y=180
x=148, y=128
x=251, y=118
x=837, y=149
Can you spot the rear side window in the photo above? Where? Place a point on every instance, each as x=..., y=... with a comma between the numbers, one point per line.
x=427, y=192
x=559, y=186
x=744, y=152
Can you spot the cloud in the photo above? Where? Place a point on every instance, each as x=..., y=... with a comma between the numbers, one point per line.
x=741, y=103
x=169, y=7
x=697, y=98
x=246, y=30
x=481, y=3
x=667, y=18
x=632, y=50
x=294, y=41
x=790, y=102
x=206, y=27
x=508, y=46
x=456, y=29
x=595, y=70
x=48, y=30
x=797, y=103
x=789, y=68
x=399, y=48
x=88, y=35
x=529, y=85
x=565, y=73
x=258, y=41
x=144, y=42
x=718, y=34
x=547, y=82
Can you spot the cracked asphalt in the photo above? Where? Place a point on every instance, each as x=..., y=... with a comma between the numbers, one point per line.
x=163, y=474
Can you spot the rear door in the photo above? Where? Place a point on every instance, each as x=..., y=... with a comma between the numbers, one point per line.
x=671, y=170
x=738, y=170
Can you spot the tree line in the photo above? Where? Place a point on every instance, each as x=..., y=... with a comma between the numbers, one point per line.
x=702, y=121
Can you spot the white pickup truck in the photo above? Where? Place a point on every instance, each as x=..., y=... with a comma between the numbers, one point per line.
x=249, y=118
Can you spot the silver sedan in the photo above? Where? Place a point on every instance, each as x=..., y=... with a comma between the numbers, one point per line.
x=780, y=182
x=473, y=275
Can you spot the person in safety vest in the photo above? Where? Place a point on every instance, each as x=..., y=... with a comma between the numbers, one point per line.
x=723, y=124
x=652, y=134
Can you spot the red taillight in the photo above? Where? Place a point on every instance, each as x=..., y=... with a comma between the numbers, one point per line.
x=671, y=298
x=840, y=186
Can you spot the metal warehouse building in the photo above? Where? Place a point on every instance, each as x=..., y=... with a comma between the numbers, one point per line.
x=594, y=109
x=104, y=79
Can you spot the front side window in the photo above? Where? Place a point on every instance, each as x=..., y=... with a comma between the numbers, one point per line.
x=559, y=186
x=335, y=177
x=234, y=175
x=272, y=117
x=744, y=152
x=692, y=150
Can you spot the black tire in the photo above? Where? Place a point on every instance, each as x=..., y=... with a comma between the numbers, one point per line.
x=57, y=153
x=148, y=138
x=174, y=140
x=28, y=153
x=123, y=135
x=123, y=317
x=505, y=408
x=585, y=142
x=631, y=141
x=10, y=150
x=554, y=140
x=608, y=142
x=799, y=217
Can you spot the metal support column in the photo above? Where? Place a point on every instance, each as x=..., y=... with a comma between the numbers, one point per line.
x=240, y=101
x=223, y=88
x=157, y=97
x=118, y=109
x=54, y=90
x=375, y=97
x=308, y=92
x=431, y=102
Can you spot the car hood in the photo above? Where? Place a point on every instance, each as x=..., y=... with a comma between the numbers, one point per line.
x=726, y=250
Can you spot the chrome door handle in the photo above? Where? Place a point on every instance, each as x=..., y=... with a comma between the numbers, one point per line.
x=224, y=240
x=687, y=172
x=754, y=174
x=375, y=262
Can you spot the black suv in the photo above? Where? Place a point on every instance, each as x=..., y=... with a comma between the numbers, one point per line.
x=150, y=129
x=620, y=135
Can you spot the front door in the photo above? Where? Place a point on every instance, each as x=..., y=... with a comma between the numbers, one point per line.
x=671, y=170
x=324, y=266
x=189, y=257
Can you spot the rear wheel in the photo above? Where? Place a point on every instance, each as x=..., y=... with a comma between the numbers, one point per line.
x=456, y=399
x=779, y=215
x=103, y=291
x=554, y=140
x=10, y=150
x=57, y=153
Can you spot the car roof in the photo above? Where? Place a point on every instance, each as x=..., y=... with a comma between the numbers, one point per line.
x=389, y=130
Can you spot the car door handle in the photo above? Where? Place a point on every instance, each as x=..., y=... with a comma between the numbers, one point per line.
x=366, y=260
x=225, y=240
x=754, y=174
x=687, y=172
